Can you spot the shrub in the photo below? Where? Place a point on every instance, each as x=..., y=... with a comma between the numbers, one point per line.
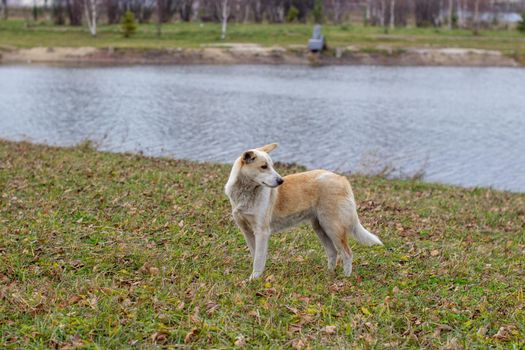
x=293, y=14
x=318, y=11
x=521, y=24
x=129, y=25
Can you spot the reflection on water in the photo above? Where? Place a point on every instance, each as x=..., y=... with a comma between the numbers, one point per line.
x=462, y=125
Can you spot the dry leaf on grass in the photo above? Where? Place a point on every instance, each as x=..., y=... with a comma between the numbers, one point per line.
x=191, y=335
x=329, y=329
x=240, y=341
x=159, y=337
x=298, y=344
x=505, y=333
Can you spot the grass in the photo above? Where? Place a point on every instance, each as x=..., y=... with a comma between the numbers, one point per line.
x=17, y=33
x=101, y=250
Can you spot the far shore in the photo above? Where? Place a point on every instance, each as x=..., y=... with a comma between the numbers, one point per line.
x=258, y=54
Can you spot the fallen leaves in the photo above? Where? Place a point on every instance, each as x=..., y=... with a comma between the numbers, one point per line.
x=211, y=307
x=145, y=257
x=159, y=337
x=191, y=335
x=240, y=341
x=329, y=330
x=506, y=333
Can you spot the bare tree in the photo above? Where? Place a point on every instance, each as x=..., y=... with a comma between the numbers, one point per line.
x=186, y=9
x=337, y=11
x=224, y=13
x=367, y=12
x=91, y=15
x=159, y=17
x=74, y=12
x=463, y=5
x=450, y=6
x=5, y=13
x=392, y=14
x=382, y=14
x=476, y=17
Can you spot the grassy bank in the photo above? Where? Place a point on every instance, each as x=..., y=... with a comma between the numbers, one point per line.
x=112, y=250
x=16, y=33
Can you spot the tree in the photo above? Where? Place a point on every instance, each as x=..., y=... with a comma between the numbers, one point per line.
x=159, y=17
x=74, y=12
x=318, y=11
x=223, y=12
x=113, y=11
x=337, y=9
x=5, y=13
x=129, y=25
x=392, y=14
x=476, y=17
x=450, y=7
x=91, y=15
x=293, y=13
x=367, y=12
x=57, y=12
x=521, y=24
x=427, y=12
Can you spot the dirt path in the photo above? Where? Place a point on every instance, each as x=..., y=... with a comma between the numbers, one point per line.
x=256, y=54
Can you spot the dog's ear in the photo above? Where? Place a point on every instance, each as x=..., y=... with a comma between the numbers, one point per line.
x=268, y=148
x=248, y=157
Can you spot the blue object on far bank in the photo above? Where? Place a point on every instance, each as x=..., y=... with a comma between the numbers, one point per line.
x=316, y=42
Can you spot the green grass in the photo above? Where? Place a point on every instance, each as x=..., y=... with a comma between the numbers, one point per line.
x=17, y=33
x=101, y=250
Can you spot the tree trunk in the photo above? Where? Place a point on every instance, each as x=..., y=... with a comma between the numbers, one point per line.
x=476, y=17
x=159, y=18
x=392, y=14
x=5, y=13
x=246, y=16
x=382, y=15
x=463, y=8
x=367, y=13
x=91, y=15
x=224, y=19
x=450, y=6
x=337, y=11
x=35, y=11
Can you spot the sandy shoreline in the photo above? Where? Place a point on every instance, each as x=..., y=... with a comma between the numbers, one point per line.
x=256, y=54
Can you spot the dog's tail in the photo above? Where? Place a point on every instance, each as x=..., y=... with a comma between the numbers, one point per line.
x=364, y=237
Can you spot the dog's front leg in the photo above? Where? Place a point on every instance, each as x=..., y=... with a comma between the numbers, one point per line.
x=250, y=239
x=246, y=230
x=261, y=251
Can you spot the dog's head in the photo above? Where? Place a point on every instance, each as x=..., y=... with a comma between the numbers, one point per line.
x=257, y=165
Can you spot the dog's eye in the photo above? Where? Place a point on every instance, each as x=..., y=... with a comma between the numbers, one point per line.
x=264, y=166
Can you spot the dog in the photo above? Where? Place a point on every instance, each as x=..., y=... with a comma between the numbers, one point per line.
x=263, y=202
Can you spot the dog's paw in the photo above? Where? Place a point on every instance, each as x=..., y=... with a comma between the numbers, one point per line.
x=255, y=274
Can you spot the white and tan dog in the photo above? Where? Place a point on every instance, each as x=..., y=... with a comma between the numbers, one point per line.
x=263, y=202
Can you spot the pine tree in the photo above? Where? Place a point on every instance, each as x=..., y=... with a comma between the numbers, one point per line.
x=129, y=26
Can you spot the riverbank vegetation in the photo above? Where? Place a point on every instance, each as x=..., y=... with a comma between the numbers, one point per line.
x=116, y=250
x=17, y=34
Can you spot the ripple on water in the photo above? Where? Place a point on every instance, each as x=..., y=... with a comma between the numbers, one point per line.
x=461, y=125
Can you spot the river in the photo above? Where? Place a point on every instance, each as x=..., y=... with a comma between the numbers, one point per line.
x=463, y=126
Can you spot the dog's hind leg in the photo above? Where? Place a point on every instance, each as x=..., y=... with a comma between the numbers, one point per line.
x=338, y=236
x=331, y=252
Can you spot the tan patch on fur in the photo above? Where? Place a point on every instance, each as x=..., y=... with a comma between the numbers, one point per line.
x=303, y=191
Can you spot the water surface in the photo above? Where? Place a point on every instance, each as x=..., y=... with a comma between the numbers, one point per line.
x=461, y=126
